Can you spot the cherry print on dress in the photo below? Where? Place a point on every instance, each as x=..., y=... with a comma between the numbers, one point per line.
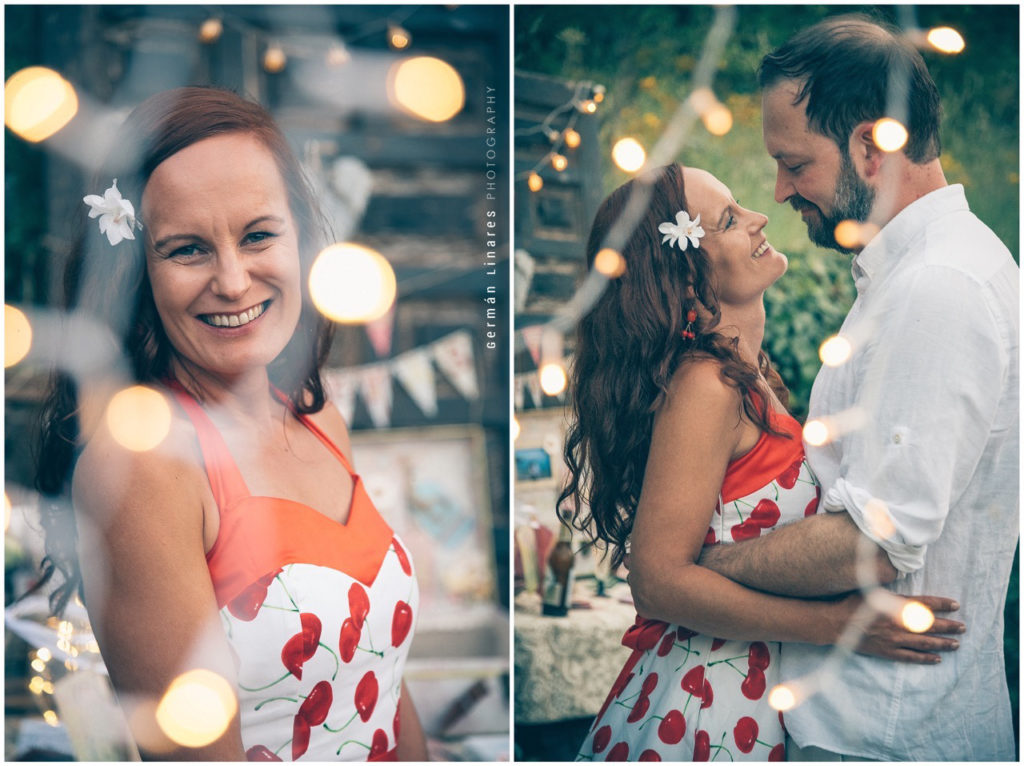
x=619, y=753
x=379, y=745
x=788, y=477
x=672, y=728
x=403, y=559
x=302, y=646
x=366, y=695
x=601, y=738
x=246, y=605
x=260, y=753
x=358, y=604
x=745, y=733
x=401, y=621
x=702, y=746
x=649, y=755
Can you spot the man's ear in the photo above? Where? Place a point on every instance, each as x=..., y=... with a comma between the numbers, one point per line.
x=867, y=158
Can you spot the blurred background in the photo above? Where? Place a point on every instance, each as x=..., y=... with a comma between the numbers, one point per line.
x=595, y=91
x=388, y=107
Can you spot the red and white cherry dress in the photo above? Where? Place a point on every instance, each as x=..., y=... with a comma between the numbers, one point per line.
x=319, y=614
x=683, y=696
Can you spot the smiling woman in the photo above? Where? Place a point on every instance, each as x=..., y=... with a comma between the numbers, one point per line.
x=213, y=555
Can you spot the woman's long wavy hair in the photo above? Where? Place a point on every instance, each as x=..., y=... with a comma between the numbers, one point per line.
x=109, y=284
x=627, y=349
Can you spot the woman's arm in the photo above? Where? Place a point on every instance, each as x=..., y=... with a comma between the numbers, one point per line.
x=148, y=589
x=697, y=432
x=412, y=744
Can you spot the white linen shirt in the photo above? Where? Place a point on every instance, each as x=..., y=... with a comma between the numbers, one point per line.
x=925, y=412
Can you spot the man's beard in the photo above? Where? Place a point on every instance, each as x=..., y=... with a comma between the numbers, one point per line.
x=852, y=201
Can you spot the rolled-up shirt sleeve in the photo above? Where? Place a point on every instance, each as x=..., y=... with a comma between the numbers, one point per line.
x=928, y=386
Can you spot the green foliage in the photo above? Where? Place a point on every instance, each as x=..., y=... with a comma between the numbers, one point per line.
x=645, y=56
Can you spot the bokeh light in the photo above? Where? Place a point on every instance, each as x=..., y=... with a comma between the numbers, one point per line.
x=274, y=59
x=816, y=433
x=196, y=708
x=835, y=351
x=535, y=182
x=211, y=30
x=139, y=418
x=552, y=378
x=889, y=135
x=717, y=120
x=352, y=284
x=916, y=617
x=559, y=162
x=427, y=87
x=610, y=263
x=38, y=102
x=847, y=234
x=398, y=37
x=51, y=718
x=515, y=429
x=628, y=154
x=17, y=336
x=946, y=39
x=7, y=515
x=781, y=697
x=572, y=138
x=588, y=106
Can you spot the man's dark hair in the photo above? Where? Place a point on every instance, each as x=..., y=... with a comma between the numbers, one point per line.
x=852, y=69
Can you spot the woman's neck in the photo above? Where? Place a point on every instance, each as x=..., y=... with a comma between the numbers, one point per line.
x=243, y=401
x=746, y=323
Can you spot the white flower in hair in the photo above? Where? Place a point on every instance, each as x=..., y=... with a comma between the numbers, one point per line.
x=116, y=214
x=685, y=231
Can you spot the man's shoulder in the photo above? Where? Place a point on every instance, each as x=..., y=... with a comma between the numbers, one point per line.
x=963, y=243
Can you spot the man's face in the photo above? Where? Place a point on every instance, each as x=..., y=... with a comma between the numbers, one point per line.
x=813, y=175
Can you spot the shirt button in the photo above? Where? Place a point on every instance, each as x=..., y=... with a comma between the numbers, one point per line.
x=896, y=439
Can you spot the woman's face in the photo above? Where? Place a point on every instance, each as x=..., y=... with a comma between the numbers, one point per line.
x=222, y=254
x=743, y=264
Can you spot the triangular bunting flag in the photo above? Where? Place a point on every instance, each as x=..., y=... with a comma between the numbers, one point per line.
x=536, y=392
x=416, y=375
x=519, y=392
x=342, y=386
x=380, y=332
x=532, y=337
x=375, y=386
x=454, y=356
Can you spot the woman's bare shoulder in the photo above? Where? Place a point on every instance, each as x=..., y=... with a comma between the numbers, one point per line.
x=700, y=380
x=111, y=479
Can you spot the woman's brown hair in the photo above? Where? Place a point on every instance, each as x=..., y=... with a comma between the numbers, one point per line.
x=628, y=347
x=109, y=284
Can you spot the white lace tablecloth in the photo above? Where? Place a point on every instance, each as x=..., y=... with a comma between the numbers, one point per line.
x=565, y=666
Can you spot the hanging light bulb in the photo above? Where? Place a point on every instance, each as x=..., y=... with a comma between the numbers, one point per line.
x=559, y=162
x=211, y=30
x=398, y=37
x=587, y=106
x=598, y=94
x=274, y=59
x=572, y=138
x=535, y=182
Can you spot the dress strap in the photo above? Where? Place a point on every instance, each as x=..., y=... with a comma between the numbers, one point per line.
x=315, y=429
x=225, y=479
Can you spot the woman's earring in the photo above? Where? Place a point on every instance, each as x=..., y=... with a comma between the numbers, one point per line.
x=691, y=317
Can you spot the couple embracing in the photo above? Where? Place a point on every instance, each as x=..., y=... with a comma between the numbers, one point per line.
x=765, y=569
